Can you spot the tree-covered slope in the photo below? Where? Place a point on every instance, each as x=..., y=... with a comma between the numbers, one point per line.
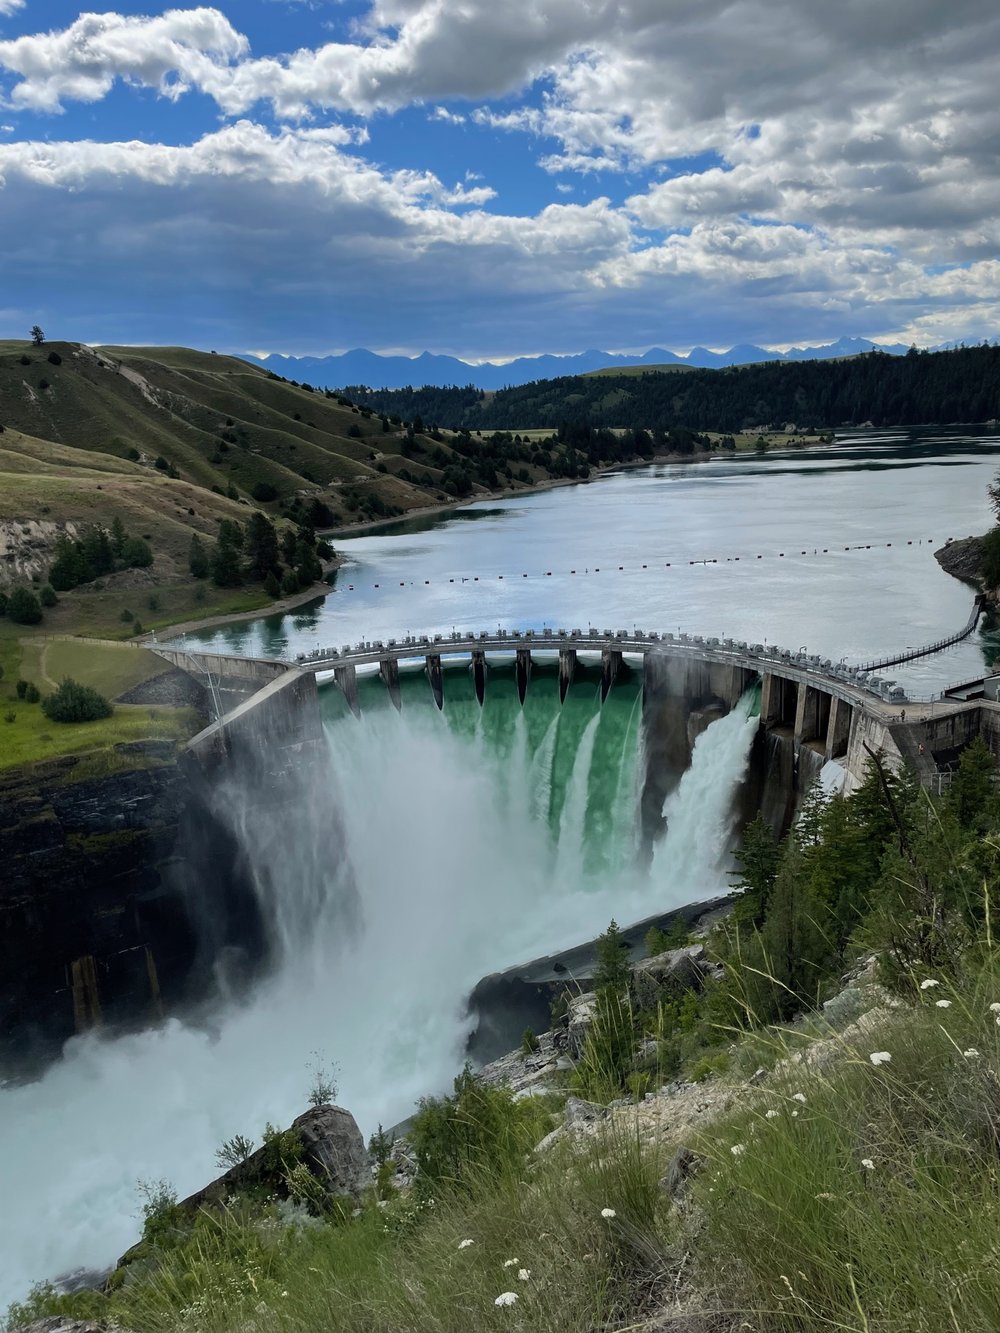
x=921, y=387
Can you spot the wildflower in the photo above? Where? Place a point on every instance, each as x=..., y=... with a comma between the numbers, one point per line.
x=825, y=1196
x=995, y=1007
x=880, y=1057
x=794, y=1113
x=506, y=1298
x=523, y=1274
x=738, y=1149
x=798, y=1097
x=868, y=1164
x=943, y=1004
x=608, y=1212
x=926, y=985
x=511, y=1263
x=971, y=1053
x=464, y=1244
x=284, y=1293
x=772, y=1114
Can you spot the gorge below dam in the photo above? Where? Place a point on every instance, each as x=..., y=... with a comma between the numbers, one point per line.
x=377, y=875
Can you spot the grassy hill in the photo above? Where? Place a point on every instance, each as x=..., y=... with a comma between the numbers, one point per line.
x=213, y=422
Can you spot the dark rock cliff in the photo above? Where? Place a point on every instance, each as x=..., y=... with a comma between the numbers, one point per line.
x=101, y=921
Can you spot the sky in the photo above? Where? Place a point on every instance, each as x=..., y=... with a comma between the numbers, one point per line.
x=494, y=178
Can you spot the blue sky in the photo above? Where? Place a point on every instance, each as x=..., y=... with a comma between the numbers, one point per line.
x=493, y=180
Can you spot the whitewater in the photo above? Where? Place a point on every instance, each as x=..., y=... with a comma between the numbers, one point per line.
x=472, y=840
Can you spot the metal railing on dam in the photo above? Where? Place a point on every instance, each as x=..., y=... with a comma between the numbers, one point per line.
x=854, y=685
x=911, y=654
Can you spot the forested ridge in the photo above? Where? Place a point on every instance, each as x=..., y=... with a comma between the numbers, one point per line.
x=917, y=389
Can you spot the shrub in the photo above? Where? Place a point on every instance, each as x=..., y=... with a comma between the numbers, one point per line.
x=55, y=359
x=31, y=695
x=137, y=554
x=43, y=385
x=271, y=585
x=132, y=455
x=529, y=1042
x=290, y=583
x=23, y=607
x=282, y=1150
x=126, y=616
x=73, y=702
x=234, y=1152
x=21, y=688
x=137, y=628
x=264, y=492
x=47, y=595
x=10, y=716
x=198, y=558
x=324, y=1086
x=3, y=603
x=153, y=601
x=479, y=1129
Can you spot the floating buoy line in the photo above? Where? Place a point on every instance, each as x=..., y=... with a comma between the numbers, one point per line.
x=586, y=571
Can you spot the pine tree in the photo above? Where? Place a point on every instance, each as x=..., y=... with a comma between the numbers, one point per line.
x=612, y=972
x=198, y=558
x=260, y=543
x=226, y=571
x=758, y=859
x=118, y=537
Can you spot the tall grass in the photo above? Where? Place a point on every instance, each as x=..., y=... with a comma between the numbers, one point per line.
x=864, y=1196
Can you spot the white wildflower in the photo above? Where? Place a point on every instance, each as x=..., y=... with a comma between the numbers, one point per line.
x=795, y=1113
x=926, y=985
x=772, y=1114
x=523, y=1274
x=971, y=1053
x=608, y=1212
x=880, y=1057
x=511, y=1263
x=464, y=1244
x=506, y=1298
x=995, y=1007
x=738, y=1149
x=798, y=1096
x=943, y=1004
x=868, y=1164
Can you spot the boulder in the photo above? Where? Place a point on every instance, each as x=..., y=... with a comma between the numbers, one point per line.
x=677, y=969
x=332, y=1150
x=579, y=1017
x=578, y=1112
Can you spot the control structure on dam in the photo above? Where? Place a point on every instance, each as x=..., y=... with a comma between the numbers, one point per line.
x=822, y=709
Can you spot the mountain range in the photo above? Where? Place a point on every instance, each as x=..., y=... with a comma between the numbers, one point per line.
x=395, y=372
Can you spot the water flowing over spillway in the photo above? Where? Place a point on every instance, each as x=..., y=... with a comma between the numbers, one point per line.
x=472, y=839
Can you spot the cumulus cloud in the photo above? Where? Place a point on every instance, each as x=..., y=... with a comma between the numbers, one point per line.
x=8, y=7
x=812, y=168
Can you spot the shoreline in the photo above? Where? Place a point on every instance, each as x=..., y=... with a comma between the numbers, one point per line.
x=550, y=484
x=281, y=607
x=285, y=605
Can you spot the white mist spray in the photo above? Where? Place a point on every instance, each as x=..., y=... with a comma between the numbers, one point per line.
x=454, y=875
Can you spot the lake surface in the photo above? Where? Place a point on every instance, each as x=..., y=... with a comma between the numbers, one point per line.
x=616, y=553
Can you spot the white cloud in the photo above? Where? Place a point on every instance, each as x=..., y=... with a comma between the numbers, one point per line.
x=8, y=7
x=813, y=166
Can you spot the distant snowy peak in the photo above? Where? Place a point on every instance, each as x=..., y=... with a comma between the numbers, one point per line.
x=396, y=372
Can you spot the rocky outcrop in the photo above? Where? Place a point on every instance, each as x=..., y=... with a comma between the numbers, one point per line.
x=27, y=546
x=327, y=1142
x=963, y=559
